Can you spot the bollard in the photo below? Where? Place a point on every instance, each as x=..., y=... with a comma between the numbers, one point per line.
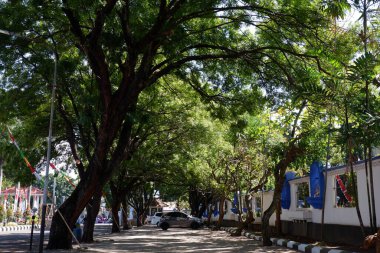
x=31, y=234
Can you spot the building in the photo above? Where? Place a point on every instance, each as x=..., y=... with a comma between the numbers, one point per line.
x=302, y=201
x=19, y=198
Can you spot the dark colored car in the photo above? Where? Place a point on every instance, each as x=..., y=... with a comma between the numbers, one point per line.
x=179, y=219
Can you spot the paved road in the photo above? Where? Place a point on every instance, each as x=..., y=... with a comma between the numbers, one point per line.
x=153, y=239
x=19, y=241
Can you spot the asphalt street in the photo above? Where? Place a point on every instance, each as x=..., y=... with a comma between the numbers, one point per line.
x=19, y=241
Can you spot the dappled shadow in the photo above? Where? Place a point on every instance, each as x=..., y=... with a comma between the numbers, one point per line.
x=153, y=239
x=17, y=241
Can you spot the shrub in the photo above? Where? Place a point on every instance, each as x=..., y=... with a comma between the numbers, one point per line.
x=9, y=214
x=2, y=213
x=18, y=213
x=27, y=215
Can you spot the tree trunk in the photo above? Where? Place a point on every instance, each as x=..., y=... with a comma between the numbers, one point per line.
x=115, y=217
x=139, y=218
x=356, y=197
x=96, y=176
x=60, y=236
x=194, y=200
x=278, y=218
x=374, y=218
x=92, y=212
x=115, y=207
x=209, y=215
x=368, y=191
x=221, y=212
x=266, y=230
x=124, y=213
x=290, y=156
x=244, y=224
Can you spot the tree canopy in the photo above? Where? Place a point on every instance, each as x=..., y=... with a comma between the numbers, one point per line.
x=117, y=60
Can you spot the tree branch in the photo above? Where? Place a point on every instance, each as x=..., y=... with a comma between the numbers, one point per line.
x=93, y=36
x=70, y=137
x=228, y=54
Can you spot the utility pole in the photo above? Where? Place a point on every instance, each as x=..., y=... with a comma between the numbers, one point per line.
x=44, y=204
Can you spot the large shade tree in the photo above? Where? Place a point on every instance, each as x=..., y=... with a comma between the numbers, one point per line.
x=110, y=52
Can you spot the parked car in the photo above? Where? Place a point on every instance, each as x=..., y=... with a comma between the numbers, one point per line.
x=155, y=219
x=179, y=219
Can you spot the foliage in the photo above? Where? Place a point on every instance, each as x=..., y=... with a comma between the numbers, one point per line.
x=63, y=188
x=9, y=214
x=118, y=60
x=27, y=214
x=18, y=214
x=2, y=213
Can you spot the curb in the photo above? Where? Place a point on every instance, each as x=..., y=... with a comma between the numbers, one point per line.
x=18, y=228
x=307, y=248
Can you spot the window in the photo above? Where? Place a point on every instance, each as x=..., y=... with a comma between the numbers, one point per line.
x=182, y=215
x=258, y=206
x=172, y=214
x=344, y=190
x=302, y=194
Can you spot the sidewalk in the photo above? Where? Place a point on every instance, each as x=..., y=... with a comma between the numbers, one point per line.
x=307, y=248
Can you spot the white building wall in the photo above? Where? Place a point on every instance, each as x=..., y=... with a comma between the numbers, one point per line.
x=348, y=216
x=294, y=213
x=376, y=183
x=333, y=214
x=266, y=199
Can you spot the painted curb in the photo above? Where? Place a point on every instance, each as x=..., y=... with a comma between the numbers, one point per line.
x=307, y=248
x=18, y=228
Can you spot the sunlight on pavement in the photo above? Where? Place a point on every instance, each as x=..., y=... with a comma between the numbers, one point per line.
x=153, y=239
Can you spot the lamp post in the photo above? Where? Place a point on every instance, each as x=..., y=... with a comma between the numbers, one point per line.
x=31, y=233
x=44, y=200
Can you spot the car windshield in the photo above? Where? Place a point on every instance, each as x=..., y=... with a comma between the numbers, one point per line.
x=158, y=214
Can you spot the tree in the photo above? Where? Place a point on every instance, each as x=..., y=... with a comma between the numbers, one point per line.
x=291, y=150
x=363, y=72
x=122, y=54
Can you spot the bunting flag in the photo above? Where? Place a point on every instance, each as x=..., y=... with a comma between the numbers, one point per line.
x=343, y=188
x=66, y=177
x=32, y=170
